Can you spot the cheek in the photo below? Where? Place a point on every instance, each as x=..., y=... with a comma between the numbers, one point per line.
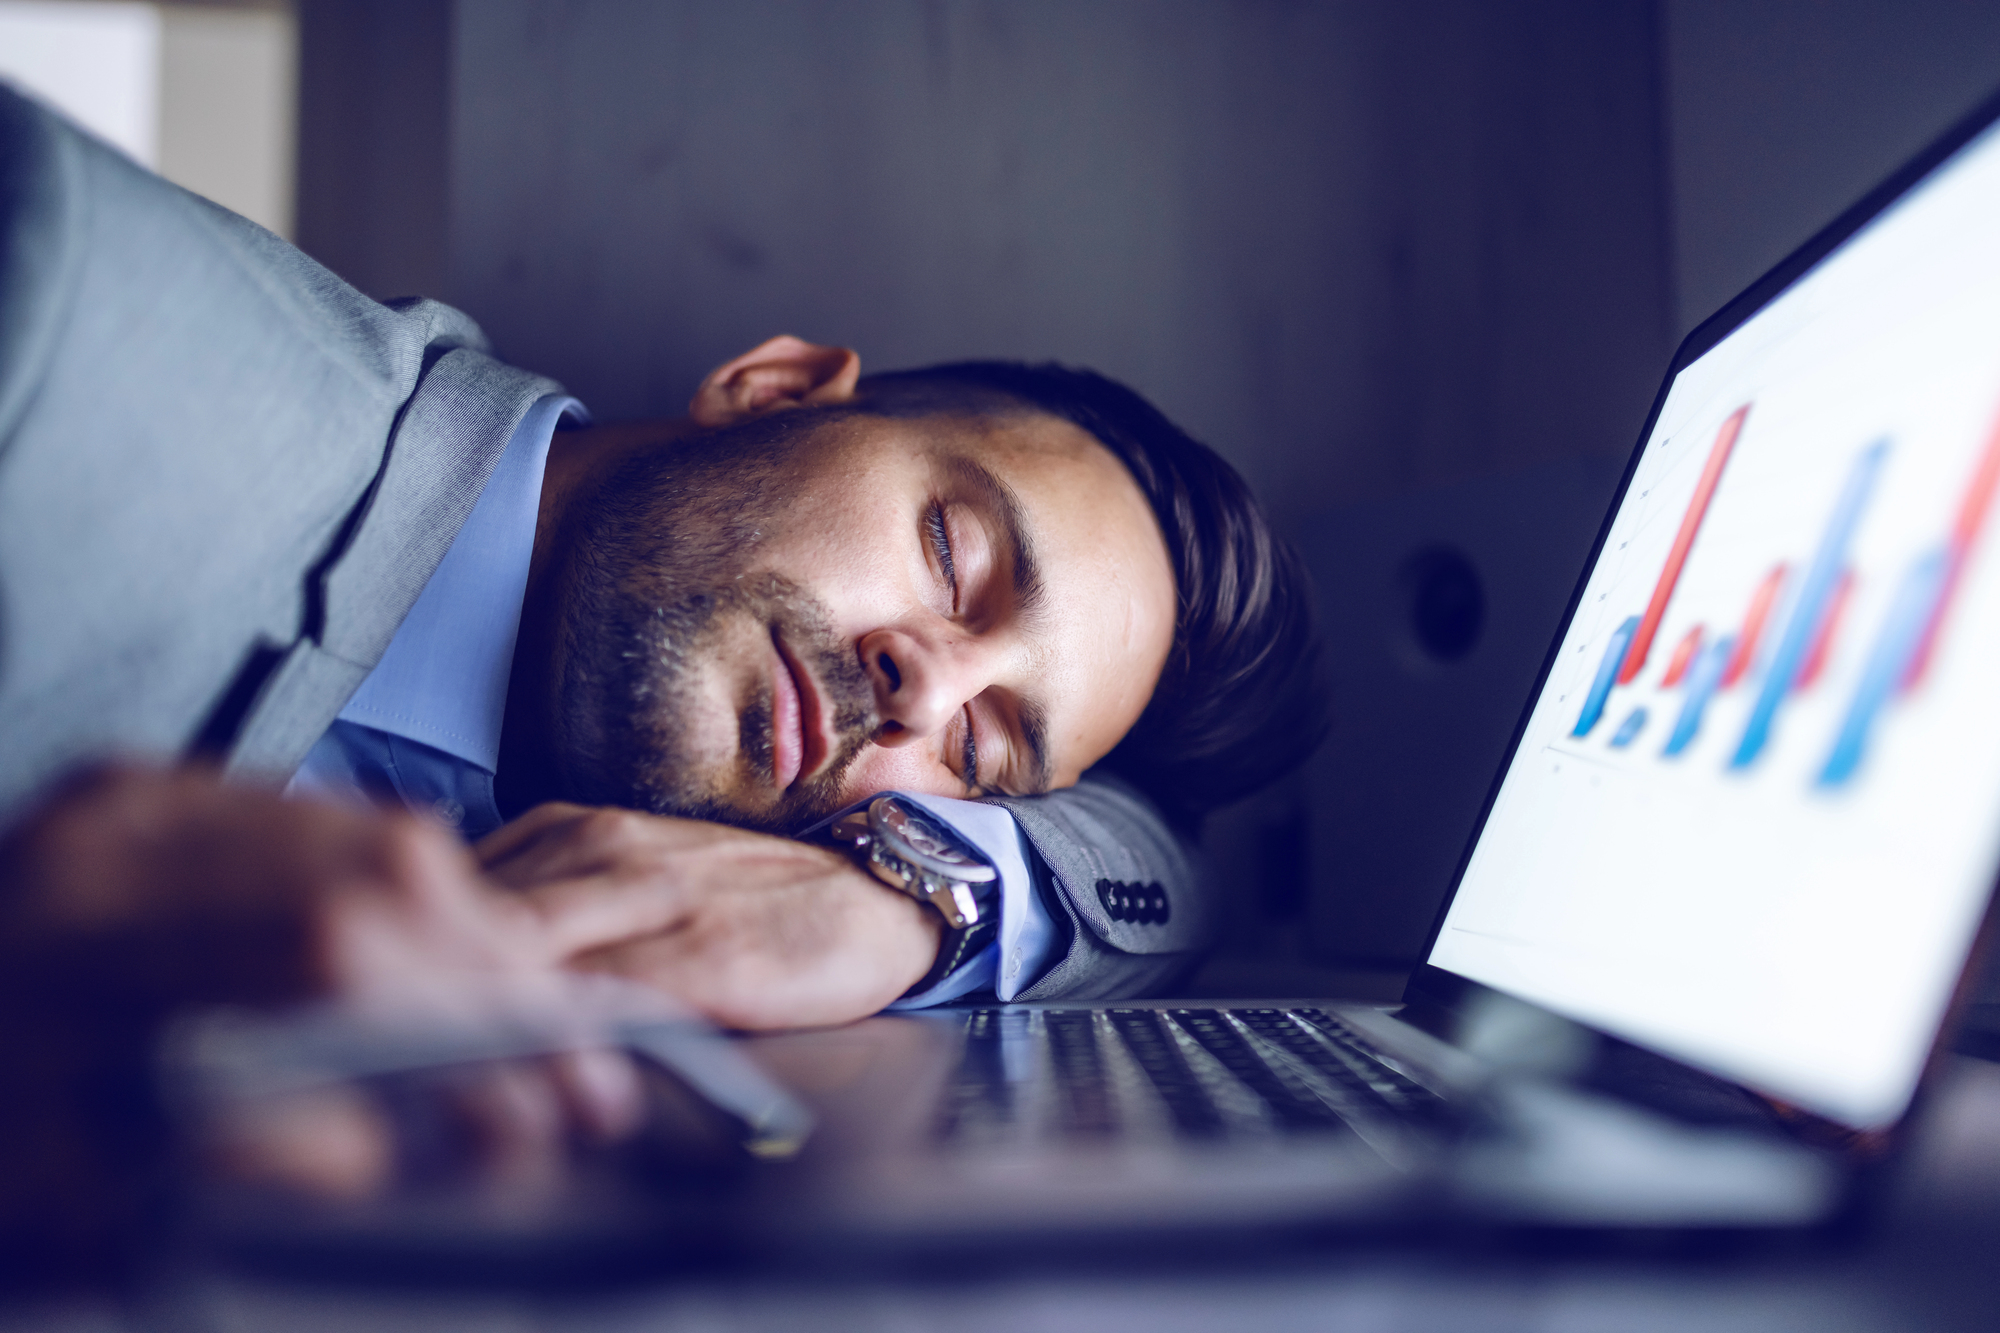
x=858, y=575
x=834, y=522
x=705, y=718
x=903, y=768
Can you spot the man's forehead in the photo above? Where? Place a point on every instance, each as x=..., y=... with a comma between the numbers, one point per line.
x=1040, y=462
x=1029, y=433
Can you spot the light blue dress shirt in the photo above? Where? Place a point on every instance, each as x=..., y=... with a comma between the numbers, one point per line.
x=424, y=727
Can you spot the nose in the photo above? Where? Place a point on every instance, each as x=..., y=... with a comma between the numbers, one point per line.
x=921, y=681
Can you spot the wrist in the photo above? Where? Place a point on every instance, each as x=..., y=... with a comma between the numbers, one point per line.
x=924, y=860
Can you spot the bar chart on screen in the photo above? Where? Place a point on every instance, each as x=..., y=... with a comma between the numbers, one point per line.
x=1794, y=621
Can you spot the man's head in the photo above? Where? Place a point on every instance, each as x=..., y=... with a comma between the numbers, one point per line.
x=970, y=580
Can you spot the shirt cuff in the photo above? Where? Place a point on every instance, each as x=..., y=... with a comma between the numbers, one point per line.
x=1017, y=959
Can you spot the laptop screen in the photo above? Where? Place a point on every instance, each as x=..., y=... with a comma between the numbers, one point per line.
x=1754, y=817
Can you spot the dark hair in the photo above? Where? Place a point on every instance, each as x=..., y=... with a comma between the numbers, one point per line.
x=1242, y=698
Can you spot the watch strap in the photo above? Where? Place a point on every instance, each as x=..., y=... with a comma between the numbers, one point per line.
x=958, y=947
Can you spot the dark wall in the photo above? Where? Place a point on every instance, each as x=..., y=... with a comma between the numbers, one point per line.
x=1358, y=247
x=375, y=141
x=1361, y=248
x=1784, y=112
x=1520, y=313
x=1170, y=192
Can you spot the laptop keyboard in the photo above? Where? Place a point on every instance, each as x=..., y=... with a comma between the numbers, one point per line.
x=1186, y=1073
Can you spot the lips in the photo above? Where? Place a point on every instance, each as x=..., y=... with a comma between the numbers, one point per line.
x=798, y=725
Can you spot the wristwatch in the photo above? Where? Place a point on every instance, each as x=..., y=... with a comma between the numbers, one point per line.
x=913, y=853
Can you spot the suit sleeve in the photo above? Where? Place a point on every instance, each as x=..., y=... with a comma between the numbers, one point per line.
x=248, y=468
x=1139, y=909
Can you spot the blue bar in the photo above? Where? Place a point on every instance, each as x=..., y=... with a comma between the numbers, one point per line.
x=1628, y=730
x=1767, y=646
x=1902, y=631
x=1702, y=678
x=1803, y=624
x=1607, y=676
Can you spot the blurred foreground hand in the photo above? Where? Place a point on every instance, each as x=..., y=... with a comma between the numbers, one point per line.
x=129, y=895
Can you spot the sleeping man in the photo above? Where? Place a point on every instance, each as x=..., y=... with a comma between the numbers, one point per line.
x=259, y=532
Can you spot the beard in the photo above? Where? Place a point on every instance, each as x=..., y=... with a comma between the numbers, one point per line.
x=658, y=570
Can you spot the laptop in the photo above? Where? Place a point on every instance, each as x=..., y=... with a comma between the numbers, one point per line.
x=1706, y=941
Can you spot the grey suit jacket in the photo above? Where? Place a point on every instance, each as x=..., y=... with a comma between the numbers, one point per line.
x=225, y=476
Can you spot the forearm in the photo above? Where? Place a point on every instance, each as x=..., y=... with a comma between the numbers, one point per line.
x=753, y=931
x=763, y=932
x=768, y=965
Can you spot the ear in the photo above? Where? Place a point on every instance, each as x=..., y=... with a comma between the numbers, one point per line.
x=784, y=372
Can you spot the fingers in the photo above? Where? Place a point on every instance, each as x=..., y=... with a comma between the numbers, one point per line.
x=618, y=876
x=170, y=886
x=752, y=930
x=330, y=1143
x=512, y=1114
x=580, y=915
x=511, y=1125
x=592, y=876
x=568, y=841
x=553, y=841
x=602, y=1092
x=840, y=949
x=424, y=915
x=510, y=838
x=127, y=894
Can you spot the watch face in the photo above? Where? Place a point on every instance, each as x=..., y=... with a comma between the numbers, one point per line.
x=909, y=834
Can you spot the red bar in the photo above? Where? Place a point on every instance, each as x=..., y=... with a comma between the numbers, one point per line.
x=1972, y=511
x=1754, y=620
x=1684, y=651
x=1697, y=510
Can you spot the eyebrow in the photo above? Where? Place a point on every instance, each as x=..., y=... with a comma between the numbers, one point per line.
x=1030, y=595
x=999, y=497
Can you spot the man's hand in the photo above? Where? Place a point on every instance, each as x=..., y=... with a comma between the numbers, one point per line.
x=755, y=931
x=146, y=889
x=130, y=894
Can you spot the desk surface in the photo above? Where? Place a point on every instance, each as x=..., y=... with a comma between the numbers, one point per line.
x=1936, y=1265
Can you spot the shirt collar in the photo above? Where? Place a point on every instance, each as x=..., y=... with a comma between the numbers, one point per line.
x=443, y=680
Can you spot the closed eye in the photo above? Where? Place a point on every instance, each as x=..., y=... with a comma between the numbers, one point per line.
x=941, y=546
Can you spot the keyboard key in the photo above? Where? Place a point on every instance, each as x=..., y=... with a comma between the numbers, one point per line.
x=980, y=1101
x=1215, y=1073
x=1401, y=1092
x=1154, y=1051
x=1292, y=1103
x=1085, y=1106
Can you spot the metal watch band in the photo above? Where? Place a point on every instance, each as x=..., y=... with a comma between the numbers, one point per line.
x=907, y=850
